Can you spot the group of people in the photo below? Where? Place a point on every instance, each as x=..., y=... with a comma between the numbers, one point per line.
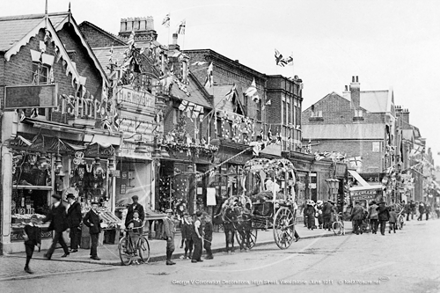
x=411, y=209
x=324, y=212
x=196, y=234
x=62, y=218
x=376, y=216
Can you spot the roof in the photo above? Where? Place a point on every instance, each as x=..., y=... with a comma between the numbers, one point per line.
x=103, y=55
x=110, y=35
x=343, y=131
x=196, y=93
x=16, y=28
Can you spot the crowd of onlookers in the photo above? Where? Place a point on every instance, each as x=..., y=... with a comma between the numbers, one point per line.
x=372, y=218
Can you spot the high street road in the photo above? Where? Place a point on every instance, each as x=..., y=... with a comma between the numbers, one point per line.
x=408, y=261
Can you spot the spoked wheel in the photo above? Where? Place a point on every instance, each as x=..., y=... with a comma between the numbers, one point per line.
x=284, y=228
x=124, y=254
x=144, y=249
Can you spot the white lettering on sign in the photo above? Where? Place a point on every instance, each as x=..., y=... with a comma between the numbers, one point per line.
x=135, y=97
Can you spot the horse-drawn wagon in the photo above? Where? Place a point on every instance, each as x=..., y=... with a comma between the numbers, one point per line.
x=266, y=206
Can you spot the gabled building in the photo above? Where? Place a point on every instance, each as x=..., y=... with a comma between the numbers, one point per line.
x=53, y=126
x=359, y=124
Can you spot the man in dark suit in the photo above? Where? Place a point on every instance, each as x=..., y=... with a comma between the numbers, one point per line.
x=74, y=218
x=93, y=221
x=57, y=217
x=135, y=206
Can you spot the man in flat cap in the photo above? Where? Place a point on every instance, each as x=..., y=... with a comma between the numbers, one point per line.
x=74, y=218
x=57, y=217
x=93, y=221
x=135, y=206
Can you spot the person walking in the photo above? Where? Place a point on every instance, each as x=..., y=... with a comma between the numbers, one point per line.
x=357, y=215
x=327, y=212
x=207, y=232
x=169, y=229
x=58, y=223
x=310, y=215
x=93, y=221
x=437, y=209
x=421, y=211
x=392, y=220
x=32, y=238
x=74, y=218
x=383, y=216
x=413, y=207
x=319, y=207
x=135, y=206
x=197, y=238
x=373, y=216
x=427, y=210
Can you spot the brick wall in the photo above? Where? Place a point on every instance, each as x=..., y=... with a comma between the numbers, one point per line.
x=84, y=63
x=96, y=38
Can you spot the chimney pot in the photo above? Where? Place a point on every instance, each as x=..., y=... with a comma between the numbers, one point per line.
x=353, y=79
x=357, y=78
x=346, y=88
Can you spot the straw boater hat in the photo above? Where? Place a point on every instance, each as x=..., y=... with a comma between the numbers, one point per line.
x=169, y=211
x=70, y=195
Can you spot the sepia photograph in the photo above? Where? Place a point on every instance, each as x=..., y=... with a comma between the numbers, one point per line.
x=219, y=146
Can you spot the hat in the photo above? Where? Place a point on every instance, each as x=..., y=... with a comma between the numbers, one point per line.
x=57, y=196
x=168, y=211
x=373, y=202
x=135, y=197
x=94, y=202
x=34, y=217
x=185, y=213
x=199, y=213
x=70, y=195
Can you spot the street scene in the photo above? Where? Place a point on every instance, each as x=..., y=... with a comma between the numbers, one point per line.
x=187, y=146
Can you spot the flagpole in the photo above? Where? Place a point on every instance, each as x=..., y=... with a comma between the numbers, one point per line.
x=169, y=29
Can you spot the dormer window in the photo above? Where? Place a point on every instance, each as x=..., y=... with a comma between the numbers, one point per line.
x=358, y=115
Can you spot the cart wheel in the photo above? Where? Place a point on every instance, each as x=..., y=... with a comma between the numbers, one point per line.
x=126, y=258
x=283, y=227
x=144, y=249
x=337, y=228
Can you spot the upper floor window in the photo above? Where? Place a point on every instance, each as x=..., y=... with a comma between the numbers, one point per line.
x=40, y=73
x=316, y=114
x=358, y=113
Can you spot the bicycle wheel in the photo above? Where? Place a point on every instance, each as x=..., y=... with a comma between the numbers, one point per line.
x=124, y=254
x=337, y=228
x=144, y=249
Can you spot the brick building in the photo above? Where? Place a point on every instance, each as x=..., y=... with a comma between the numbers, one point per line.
x=52, y=124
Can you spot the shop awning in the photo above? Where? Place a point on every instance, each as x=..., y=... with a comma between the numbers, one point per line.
x=358, y=178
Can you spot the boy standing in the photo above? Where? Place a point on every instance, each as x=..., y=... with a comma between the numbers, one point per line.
x=169, y=231
x=197, y=238
x=187, y=232
x=32, y=238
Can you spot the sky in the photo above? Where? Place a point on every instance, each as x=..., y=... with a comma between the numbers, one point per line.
x=388, y=44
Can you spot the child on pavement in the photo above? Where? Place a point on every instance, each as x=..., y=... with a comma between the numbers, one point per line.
x=393, y=220
x=32, y=238
x=136, y=222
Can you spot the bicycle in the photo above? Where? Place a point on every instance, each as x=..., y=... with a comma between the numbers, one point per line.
x=128, y=250
x=338, y=225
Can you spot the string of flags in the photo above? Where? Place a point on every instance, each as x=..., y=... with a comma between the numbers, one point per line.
x=281, y=61
x=192, y=110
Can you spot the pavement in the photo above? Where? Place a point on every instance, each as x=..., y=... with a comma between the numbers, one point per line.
x=109, y=253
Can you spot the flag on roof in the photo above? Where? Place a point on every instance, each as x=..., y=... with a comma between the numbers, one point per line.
x=231, y=93
x=209, y=82
x=181, y=29
x=252, y=90
x=279, y=60
x=289, y=61
x=166, y=20
x=198, y=63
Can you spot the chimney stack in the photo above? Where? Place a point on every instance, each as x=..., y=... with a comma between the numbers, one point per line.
x=405, y=116
x=174, y=45
x=355, y=92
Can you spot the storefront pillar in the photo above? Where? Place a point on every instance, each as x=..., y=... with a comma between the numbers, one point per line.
x=6, y=198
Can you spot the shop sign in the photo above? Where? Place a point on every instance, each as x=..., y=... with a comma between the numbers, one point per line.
x=340, y=170
x=31, y=96
x=137, y=98
x=17, y=235
x=363, y=194
x=373, y=177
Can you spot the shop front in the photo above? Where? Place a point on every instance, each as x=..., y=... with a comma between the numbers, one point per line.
x=39, y=162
